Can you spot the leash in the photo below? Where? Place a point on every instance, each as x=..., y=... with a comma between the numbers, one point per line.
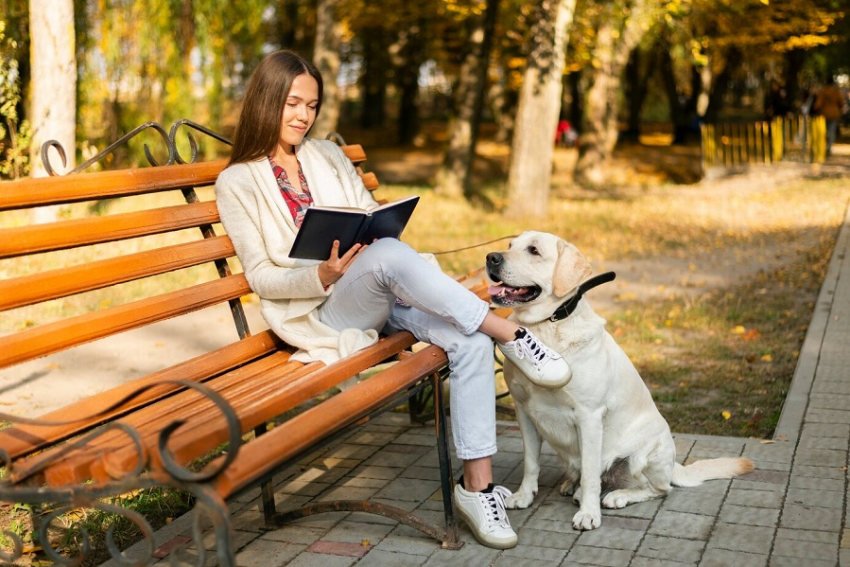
x=474, y=245
x=566, y=309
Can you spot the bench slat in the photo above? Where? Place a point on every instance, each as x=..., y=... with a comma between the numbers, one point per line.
x=23, y=440
x=258, y=392
x=263, y=455
x=58, y=190
x=53, y=337
x=81, y=232
x=27, y=193
x=103, y=273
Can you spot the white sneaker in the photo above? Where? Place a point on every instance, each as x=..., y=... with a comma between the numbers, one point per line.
x=543, y=366
x=486, y=516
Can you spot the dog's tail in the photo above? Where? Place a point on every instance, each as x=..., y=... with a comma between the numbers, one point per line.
x=710, y=469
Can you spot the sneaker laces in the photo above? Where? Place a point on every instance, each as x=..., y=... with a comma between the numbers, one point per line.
x=495, y=505
x=534, y=349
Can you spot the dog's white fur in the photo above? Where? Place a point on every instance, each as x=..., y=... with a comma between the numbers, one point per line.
x=603, y=423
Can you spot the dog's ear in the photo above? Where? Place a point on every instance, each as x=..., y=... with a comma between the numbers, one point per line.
x=570, y=269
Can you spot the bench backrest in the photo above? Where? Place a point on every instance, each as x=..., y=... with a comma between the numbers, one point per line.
x=149, y=237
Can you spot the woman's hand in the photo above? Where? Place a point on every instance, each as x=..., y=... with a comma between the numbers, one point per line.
x=332, y=269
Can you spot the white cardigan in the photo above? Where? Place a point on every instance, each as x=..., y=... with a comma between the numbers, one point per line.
x=258, y=221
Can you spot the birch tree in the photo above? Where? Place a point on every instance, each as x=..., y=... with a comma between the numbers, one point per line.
x=326, y=59
x=537, y=115
x=53, y=85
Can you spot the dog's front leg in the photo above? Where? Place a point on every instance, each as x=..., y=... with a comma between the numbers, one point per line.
x=531, y=445
x=589, y=515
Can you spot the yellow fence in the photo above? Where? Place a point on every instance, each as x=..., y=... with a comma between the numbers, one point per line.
x=736, y=144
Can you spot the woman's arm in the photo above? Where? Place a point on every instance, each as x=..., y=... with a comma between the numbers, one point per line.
x=240, y=207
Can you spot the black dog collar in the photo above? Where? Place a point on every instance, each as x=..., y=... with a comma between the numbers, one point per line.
x=566, y=309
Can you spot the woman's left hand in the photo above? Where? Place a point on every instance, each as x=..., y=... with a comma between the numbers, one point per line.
x=332, y=269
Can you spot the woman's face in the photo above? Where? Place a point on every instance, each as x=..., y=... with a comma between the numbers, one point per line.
x=299, y=111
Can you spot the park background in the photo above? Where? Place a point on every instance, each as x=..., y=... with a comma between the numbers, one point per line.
x=459, y=101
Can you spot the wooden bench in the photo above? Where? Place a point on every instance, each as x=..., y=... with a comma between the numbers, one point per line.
x=146, y=432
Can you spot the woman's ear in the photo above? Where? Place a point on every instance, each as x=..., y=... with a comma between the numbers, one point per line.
x=570, y=269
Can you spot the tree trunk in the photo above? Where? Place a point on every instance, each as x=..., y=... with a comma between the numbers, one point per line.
x=636, y=88
x=53, y=86
x=734, y=59
x=374, y=78
x=326, y=58
x=453, y=177
x=407, y=72
x=502, y=101
x=537, y=116
x=615, y=40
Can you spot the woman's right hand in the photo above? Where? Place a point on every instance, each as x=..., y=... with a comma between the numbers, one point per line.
x=332, y=269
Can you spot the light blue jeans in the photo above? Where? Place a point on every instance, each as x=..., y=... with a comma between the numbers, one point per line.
x=441, y=312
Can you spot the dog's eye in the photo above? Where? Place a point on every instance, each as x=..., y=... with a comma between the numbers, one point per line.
x=533, y=251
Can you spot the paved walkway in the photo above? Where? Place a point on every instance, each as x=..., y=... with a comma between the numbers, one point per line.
x=790, y=512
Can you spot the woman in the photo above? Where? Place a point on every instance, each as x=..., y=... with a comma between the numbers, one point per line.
x=332, y=308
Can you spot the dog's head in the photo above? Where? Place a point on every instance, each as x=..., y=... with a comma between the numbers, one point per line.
x=536, y=274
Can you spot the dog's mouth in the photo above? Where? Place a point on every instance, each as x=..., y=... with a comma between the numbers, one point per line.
x=506, y=295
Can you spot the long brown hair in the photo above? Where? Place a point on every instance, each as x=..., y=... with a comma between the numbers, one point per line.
x=258, y=129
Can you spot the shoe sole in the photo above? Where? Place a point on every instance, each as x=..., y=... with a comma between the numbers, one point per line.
x=479, y=536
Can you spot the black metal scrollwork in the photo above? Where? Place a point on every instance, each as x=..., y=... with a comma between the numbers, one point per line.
x=45, y=149
x=172, y=136
x=14, y=488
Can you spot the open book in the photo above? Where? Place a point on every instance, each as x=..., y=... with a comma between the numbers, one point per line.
x=349, y=225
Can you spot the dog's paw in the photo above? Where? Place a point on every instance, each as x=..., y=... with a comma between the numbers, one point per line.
x=520, y=499
x=616, y=499
x=567, y=487
x=584, y=520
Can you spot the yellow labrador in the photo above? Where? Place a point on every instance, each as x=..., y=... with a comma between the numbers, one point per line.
x=616, y=446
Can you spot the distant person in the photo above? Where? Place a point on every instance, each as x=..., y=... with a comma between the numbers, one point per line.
x=565, y=135
x=829, y=103
x=776, y=103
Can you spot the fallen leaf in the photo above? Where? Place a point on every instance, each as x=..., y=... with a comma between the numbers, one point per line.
x=726, y=414
x=750, y=335
x=767, y=358
x=739, y=330
x=767, y=441
x=365, y=543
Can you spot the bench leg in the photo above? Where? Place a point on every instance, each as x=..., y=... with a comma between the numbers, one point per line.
x=452, y=540
x=267, y=492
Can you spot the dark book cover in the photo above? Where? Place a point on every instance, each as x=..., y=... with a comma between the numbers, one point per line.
x=323, y=225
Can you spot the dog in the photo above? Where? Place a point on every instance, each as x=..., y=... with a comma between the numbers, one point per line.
x=604, y=425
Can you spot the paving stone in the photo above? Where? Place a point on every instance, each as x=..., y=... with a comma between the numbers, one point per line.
x=681, y=525
x=314, y=559
x=755, y=498
x=817, y=472
x=294, y=534
x=810, y=518
x=645, y=510
x=542, y=554
x=827, y=416
x=270, y=553
x=773, y=452
x=408, y=489
x=821, y=457
x=381, y=558
x=725, y=558
x=418, y=544
x=827, y=429
x=808, y=535
x=358, y=532
x=611, y=537
x=597, y=556
x=762, y=477
x=733, y=514
x=346, y=493
x=652, y=562
x=780, y=561
x=813, y=483
x=805, y=550
x=812, y=497
x=507, y=561
x=671, y=548
x=683, y=500
x=735, y=537
x=395, y=459
x=834, y=401
x=469, y=554
x=530, y=536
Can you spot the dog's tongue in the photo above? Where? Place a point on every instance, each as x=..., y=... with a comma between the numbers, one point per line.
x=496, y=289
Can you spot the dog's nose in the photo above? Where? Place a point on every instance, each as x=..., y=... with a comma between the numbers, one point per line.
x=494, y=259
